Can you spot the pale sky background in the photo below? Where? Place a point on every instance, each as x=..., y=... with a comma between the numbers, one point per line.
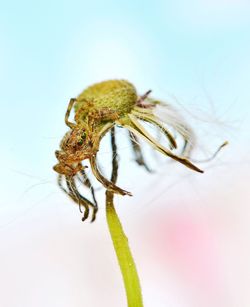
x=196, y=55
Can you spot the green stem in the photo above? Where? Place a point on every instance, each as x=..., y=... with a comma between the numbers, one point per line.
x=124, y=256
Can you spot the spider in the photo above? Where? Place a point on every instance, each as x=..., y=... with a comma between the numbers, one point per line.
x=98, y=109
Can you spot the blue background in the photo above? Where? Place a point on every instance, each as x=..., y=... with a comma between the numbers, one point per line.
x=195, y=54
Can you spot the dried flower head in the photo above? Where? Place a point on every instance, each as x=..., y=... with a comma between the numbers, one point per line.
x=98, y=109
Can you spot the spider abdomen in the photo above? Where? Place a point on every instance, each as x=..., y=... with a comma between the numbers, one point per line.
x=117, y=95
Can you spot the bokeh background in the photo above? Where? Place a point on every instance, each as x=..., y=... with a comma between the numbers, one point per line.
x=189, y=232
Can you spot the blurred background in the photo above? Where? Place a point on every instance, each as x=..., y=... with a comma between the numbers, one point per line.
x=189, y=233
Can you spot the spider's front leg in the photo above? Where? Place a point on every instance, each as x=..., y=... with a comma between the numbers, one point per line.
x=102, y=115
x=70, y=105
x=86, y=181
x=74, y=194
x=109, y=185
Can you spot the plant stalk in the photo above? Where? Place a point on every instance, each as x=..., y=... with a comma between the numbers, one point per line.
x=123, y=253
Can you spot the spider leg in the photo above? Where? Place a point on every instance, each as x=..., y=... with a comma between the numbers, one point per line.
x=78, y=198
x=142, y=98
x=153, y=120
x=139, y=130
x=188, y=136
x=88, y=184
x=103, y=130
x=140, y=109
x=115, y=157
x=173, y=119
x=93, y=205
x=114, y=174
x=69, y=192
x=59, y=182
x=82, y=178
x=75, y=195
x=105, y=182
x=138, y=156
x=70, y=105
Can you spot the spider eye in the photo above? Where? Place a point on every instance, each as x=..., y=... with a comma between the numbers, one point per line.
x=80, y=142
x=81, y=139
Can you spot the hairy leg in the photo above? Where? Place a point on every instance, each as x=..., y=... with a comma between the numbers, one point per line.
x=114, y=174
x=138, y=156
x=141, y=101
x=74, y=194
x=174, y=119
x=105, y=182
x=68, y=191
x=139, y=130
x=70, y=105
x=86, y=181
x=104, y=114
x=153, y=120
x=77, y=197
x=60, y=184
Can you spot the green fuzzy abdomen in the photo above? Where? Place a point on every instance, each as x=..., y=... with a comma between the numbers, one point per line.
x=116, y=95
